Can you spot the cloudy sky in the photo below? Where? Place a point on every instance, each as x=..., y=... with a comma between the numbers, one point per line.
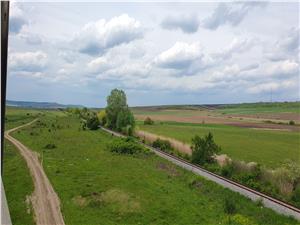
x=159, y=53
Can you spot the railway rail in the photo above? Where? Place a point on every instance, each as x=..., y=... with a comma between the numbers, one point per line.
x=268, y=201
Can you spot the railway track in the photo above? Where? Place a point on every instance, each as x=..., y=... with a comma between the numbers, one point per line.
x=268, y=201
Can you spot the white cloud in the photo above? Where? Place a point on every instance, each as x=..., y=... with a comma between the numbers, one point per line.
x=27, y=61
x=186, y=23
x=28, y=74
x=228, y=73
x=96, y=37
x=237, y=45
x=272, y=86
x=17, y=18
x=229, y=13
x=183, y=56
x=99, y=64
x=287, y=46
x=283, y=69
x=290, y=42
x=132, y=71
x=31, y=38
x=212, y=63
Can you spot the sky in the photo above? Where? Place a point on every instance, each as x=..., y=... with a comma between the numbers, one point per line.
x=158, y=53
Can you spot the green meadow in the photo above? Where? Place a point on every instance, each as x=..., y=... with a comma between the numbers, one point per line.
x=96, y=186
x=18, y=186
x=270, y=148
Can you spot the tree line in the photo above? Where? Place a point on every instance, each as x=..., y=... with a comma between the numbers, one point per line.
x=116, y=115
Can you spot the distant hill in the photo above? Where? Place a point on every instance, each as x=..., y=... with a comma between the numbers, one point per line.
x=45, y=105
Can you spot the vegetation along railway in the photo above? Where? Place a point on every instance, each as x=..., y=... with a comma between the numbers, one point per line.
x=270, y=202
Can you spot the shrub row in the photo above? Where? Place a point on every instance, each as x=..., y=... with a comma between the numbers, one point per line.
x=125, y=146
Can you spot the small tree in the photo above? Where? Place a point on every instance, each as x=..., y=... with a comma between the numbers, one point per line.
x=148, y=121
x=292, y=122
x=203, y=149
x=102, y=117
x=163, y=145
x=92, y=122
x=118, y=114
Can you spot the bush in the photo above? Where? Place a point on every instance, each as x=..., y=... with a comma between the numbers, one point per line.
x=102, y=117
x=292, y=122
x=283, y=180
x=92, y=122
x=125, y=146
x=213, y=167
x=50, y=146
x=163, y=145
x=296, y=197
x=128, y=130
x=203, y=149
x=148, y=121
x=227, y=170
x=259, y=202
x=229, y=206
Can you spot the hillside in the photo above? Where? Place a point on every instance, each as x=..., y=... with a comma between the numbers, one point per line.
x=46, y=105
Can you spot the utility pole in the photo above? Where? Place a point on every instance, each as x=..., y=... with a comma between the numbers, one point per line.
x=4, y=48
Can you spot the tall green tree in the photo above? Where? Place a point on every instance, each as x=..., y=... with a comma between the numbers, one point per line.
x=118, y=114
x=116, y=103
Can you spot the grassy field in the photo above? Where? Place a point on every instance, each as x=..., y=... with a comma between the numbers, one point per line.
x=98, y=187
x=270, y=148
x=254, y=108
x=18, y=186
x=18, y=116
x=244, y=108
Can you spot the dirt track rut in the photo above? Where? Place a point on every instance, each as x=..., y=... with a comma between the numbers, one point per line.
x=44, y=199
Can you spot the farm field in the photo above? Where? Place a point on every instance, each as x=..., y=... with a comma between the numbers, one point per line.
x=254, y=115
x=270, y=148
x=255, y=108
x=256, y=132
x=96, y=186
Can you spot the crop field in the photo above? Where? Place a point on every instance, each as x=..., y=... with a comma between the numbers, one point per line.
x=96, y=186
x=275, y=121
x=254, y=108
x=258, y=132
x=270, y=148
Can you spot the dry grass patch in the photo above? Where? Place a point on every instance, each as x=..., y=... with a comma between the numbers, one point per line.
x=178, y=145
x=80, y=201
x=170, y=169
x=119, y=201
x=123, y=202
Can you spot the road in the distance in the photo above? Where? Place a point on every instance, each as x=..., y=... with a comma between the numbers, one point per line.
x=45, y=202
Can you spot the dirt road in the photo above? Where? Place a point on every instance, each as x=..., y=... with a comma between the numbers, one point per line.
x=44, y=200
